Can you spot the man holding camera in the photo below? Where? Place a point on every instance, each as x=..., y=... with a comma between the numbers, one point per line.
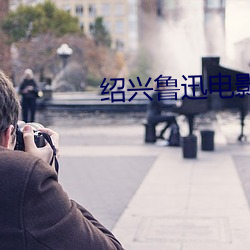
x=35, y=212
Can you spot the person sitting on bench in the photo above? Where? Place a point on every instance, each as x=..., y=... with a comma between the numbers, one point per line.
x=154, y=112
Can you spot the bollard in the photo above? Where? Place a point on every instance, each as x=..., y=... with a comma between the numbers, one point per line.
x=150, y=133
x=189, y=146
x=207, y=140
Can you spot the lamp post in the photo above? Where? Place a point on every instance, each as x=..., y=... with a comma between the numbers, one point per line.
x=64, y=51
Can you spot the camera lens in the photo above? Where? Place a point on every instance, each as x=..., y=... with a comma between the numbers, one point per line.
x=38, y=137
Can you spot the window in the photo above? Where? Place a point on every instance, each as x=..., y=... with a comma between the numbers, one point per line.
x=92, y=10
x=82, y=26
x=119, y=44
x=119, y=9
x=105, y=9
x=91, y=27
x=107, y=25
x=79, y=10
x=119, y=26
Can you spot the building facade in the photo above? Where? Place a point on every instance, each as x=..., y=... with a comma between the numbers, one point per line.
x=120, y=18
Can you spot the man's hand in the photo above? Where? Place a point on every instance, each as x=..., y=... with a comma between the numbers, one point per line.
x=45, y=153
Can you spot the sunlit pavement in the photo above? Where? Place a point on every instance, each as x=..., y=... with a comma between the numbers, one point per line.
x=153, y=198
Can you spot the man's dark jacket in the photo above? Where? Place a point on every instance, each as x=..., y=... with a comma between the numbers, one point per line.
x=36, y=214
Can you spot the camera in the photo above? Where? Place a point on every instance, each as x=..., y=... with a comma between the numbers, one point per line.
x=38, y=137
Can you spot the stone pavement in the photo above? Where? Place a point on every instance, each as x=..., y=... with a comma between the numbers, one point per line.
x=189, y=204
x=184, y=204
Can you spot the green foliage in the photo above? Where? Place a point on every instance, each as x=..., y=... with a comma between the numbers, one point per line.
x=100, y=33
x=93, y=81
x=42, y=18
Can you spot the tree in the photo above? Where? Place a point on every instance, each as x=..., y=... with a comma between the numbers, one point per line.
x=92, y=62
x=40, y=54
x=100, y=33
x=42, y=18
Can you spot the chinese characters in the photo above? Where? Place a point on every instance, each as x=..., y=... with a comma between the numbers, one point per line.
x=167, y=87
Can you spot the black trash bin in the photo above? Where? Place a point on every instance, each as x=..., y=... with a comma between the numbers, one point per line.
x=189, y=146
x=150, y=133
x=207, y=140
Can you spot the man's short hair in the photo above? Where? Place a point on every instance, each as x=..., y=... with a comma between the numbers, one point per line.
x=9, y=104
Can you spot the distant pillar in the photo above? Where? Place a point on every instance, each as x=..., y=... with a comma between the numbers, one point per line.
x=147, y=12
x=214, y=26
x=5, y=57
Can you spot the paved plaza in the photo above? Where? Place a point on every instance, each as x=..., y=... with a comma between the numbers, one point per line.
x=149, y=195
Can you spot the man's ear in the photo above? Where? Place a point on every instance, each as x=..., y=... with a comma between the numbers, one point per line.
x=7, y=140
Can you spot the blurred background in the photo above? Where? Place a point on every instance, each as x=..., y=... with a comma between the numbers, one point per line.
x=119, y=38
x=72, y=45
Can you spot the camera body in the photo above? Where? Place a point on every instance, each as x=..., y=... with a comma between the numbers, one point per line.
x=38, y=137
